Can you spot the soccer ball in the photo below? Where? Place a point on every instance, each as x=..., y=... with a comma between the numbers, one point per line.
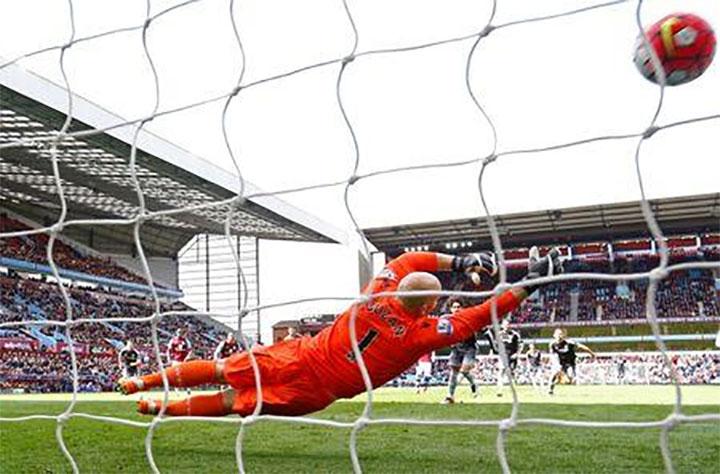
x=685, y=45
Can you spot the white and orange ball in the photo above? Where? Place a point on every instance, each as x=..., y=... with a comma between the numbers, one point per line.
x=685, y=45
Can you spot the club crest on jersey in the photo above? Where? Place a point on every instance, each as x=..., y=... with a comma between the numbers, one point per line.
x=444, y=326
x=387, y=273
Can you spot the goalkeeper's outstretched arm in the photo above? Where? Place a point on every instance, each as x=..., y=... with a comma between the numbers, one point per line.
x=434, y=262
x=464, y=323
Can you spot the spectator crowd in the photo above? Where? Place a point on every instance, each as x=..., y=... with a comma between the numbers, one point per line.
x=691, y=367
x=46, y=371
x=687, y=293
x=33, y=248
x=23, y=299
x=44, y=365
x=47, y=368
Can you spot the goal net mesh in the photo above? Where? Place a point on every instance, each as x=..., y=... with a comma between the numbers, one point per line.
x=70, y=323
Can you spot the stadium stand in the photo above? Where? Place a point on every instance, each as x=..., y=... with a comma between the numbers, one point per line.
x=683, y=294
x=33, y=248
x=28, y=352
x=692, y=296
x=36, y=358
x=42, y=371
x=99, y=264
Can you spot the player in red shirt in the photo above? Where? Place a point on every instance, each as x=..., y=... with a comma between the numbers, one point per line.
x=423, y=372
x=179, y=348
x=305, y=375
x=226, y=347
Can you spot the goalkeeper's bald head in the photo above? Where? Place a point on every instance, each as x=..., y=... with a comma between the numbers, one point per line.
x=419, y=281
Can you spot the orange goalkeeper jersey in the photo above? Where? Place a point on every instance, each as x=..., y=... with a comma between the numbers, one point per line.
x=390, y=339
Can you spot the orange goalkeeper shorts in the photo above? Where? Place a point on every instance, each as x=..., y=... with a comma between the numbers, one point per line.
x=289, y=386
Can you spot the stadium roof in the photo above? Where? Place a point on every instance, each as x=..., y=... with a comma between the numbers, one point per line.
x=98, y=184
x=677, y=215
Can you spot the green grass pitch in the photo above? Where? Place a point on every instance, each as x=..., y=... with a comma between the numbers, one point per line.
x=272, y=447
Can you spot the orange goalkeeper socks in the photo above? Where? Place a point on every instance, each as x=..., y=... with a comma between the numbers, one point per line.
x=199, y=405
x=187, y=374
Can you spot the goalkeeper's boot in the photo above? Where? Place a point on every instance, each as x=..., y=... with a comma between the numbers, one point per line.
x=149, y=407
x=448, y=401
x=129, y=385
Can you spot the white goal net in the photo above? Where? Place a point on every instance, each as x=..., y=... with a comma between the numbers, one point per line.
x=640, y=135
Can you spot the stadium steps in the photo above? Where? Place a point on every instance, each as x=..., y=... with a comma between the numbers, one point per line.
x=43, y=339
x=210, y=338
x=116, y=343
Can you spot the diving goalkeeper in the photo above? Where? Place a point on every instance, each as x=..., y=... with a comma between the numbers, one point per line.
x=305, y=375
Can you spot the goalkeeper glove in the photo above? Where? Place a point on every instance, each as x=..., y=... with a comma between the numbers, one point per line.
x=538, y=267
x=475, y=263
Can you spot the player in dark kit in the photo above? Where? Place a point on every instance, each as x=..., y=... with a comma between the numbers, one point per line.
x=129, y=360
x=513, y=347
x=227, y=347
x=534, y=358
x=621, y=366
x=462, y=361
x=306, y=375
x=565, y=351
x=510, y=337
